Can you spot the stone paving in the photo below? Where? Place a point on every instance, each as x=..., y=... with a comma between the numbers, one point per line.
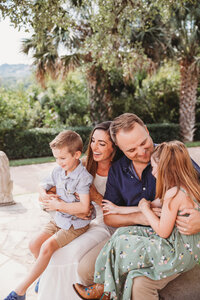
x=19, y=223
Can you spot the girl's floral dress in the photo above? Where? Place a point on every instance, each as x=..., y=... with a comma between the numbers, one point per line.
x=138, y=251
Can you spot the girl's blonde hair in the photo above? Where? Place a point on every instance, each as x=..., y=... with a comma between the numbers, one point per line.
x=175, y=168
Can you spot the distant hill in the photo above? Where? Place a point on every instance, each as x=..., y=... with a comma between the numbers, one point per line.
x=13, y=74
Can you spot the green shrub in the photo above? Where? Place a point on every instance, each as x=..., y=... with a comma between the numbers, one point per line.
x=197, y=132
x=34, y=142
x=164, y=132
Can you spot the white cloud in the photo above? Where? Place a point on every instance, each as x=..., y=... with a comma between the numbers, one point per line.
x=11, y=43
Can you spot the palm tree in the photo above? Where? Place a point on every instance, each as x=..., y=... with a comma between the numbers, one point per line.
x=45, y=56
x=185, y=39
x=48, y=62
x=177, y=37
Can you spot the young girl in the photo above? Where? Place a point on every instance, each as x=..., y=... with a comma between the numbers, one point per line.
x=158, y=251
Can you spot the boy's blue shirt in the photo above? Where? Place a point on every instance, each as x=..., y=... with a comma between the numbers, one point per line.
x=78, y=181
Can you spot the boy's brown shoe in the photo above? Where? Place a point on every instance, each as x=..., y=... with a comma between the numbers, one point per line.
x=91, y=292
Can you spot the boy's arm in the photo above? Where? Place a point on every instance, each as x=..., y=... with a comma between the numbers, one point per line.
x=82, y=207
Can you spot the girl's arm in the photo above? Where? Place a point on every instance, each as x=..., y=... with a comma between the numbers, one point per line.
x=164, y=225
x=111, y=208
x=156, y=203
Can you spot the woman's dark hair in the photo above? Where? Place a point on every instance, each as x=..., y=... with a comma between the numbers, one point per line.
x=91, y=165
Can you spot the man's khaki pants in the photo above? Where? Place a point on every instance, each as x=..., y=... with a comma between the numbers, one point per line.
x=143, y=288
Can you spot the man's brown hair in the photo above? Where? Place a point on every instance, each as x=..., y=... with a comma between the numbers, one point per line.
x=69, y=139
x=124, y=122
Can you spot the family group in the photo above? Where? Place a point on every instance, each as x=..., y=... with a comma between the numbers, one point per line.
x=126, y=216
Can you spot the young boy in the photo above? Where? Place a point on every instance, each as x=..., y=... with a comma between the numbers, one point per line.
x=69, y=177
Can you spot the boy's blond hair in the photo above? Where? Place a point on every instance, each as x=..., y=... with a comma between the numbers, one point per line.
x=69, y=139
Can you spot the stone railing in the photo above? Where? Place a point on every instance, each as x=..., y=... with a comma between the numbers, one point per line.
x=6, y=184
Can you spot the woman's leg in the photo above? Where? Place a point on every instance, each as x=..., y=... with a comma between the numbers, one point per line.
x=145, y=288
x=86, y=266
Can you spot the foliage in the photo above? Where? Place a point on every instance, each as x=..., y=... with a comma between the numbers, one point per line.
x=157, y=99
x=65, y=102
x=33, y=142
x=13, y=108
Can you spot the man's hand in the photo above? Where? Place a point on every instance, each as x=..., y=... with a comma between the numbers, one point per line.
x=188, y=225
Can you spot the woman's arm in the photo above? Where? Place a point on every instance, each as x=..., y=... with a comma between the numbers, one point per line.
x=111, y=208
x=95, y=195
x=164, y=225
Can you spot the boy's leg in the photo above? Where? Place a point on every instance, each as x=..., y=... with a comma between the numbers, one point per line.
x=145, y=288
x=64, y=237
x=58, y=240
x=46, y=251
x=36, y=243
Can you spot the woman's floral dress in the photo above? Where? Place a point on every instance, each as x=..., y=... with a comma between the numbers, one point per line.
x=138, y=251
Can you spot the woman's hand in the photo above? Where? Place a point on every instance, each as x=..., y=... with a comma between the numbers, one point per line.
x=110, y=208
x=144, y=204
x=188, y=225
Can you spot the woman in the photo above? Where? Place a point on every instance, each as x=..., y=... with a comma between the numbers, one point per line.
x=56, y=281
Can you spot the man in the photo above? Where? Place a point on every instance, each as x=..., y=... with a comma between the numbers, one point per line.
x=129, y=180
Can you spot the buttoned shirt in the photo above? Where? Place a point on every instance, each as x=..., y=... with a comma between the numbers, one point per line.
x=125, y=188
x=78, y=181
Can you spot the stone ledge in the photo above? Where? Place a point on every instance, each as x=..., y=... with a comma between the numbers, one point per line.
x=184, y=287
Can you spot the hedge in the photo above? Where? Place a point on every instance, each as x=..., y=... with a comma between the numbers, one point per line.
x=35, y=142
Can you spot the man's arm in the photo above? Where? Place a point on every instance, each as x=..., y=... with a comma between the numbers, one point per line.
x=191, y=224
x=125, y=220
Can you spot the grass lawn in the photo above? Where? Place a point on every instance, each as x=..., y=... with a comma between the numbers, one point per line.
x=31, y=161
x=41, y=160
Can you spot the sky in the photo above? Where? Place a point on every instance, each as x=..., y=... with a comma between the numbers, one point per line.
x=10, y=44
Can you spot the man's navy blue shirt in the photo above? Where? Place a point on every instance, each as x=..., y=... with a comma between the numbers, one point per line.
x=124, y=188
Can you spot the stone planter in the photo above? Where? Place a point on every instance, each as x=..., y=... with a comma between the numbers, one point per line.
x=6, y=184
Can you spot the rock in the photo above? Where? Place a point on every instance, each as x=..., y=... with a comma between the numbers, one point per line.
x=6, y=184
x=184, y=287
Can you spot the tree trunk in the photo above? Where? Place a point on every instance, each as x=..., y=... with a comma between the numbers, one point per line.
x=188, y=91
x=99, y=95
